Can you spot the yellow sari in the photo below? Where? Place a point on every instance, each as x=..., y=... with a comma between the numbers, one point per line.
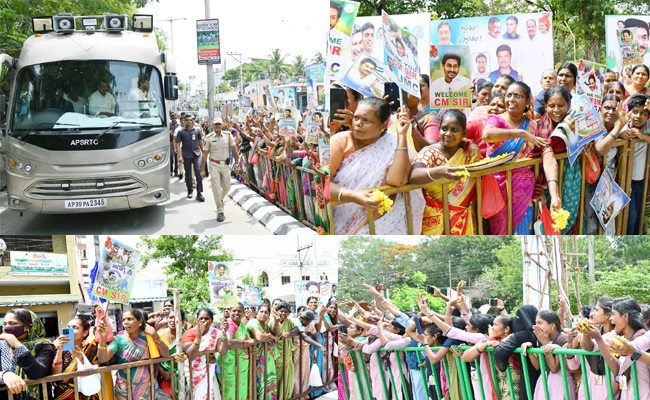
x=462, y=218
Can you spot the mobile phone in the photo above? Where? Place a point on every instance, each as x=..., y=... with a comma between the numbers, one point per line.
x=392, y=91
x=431, y=290
x=343, y=328
x=69, y=332
x=493, y=302
x=338, y=98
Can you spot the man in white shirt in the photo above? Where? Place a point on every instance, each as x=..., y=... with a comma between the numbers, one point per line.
x=451, y=81
x=481, y=66
x=444, y=33
x=102, y=102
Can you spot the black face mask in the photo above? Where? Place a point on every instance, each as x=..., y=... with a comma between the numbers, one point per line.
x=13, y=330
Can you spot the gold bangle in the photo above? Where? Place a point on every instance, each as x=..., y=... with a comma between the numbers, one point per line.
x=429, y=174
x=197, y=341
x=101, y=347
x=401, y=148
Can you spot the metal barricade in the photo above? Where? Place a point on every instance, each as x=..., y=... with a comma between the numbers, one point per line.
x=623, y=178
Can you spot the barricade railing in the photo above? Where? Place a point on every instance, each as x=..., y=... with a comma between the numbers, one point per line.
x=328, y=375
x=623, y=178
x=467, y=390
x=297, y=190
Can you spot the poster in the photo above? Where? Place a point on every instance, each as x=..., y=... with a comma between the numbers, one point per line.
x=284, y=97
x=342, y=15
x=288, y=124
x=401, y=55
x=628, y=46
x=246, y=101
x=221, y=286
x=117, y=269
x=315, y=74
x=207, y=41
x=314, y=120
x=29, y=263
x=450, y=82
x=323, y=148
x=249, y=295
x=591, y=81
x=608, y=200
x=270, y=100
x=589, y=126
x=366, y=76
x=520, y=45
x=613, y=23
x=322, y=290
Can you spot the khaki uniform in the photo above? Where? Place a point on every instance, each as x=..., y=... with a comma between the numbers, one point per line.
x=218, y=148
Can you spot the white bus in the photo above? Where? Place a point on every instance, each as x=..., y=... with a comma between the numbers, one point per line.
x=87, y=127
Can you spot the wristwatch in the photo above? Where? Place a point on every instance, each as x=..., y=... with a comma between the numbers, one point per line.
x=636, y=355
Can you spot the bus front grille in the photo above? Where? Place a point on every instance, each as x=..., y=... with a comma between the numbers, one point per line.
x=120, y=185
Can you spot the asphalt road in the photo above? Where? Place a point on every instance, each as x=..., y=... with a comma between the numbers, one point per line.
x=178, y=215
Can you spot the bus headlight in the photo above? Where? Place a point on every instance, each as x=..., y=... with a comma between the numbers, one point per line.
x=151, y=160
x=21, y=167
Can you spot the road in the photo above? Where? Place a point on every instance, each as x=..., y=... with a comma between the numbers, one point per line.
x=178, y=215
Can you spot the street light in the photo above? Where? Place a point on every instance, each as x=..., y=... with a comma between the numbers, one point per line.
x=171, y=22
x=241, y=75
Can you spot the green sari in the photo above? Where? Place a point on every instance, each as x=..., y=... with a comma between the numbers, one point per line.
x=284, y=360
x=265, y=356
x=167, y=367
x=235, y=380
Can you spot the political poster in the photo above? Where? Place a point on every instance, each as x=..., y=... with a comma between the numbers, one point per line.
x=323, y=148
x=628, y=46
x=246, y=101
x=207, y=41
x=116, y=273
x=315, y=74
x=342, y=15
x=366, y=76
x=520, y=45
x=588, y=126
x=284, y=97
x=29, y=263
x=450, y=83
x=270, y=100
x=314, y=121
x=221, y=286
x=615, y=24
x=591, y=81
x=249, y=295
x=401, y=55
x=288, y=124
x=608, y=200
x=322, y=290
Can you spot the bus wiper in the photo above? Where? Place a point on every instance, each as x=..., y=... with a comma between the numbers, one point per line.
x=125, y=122
x=35, y=130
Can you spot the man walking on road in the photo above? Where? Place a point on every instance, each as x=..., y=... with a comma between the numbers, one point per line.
x=217, y=145
x=173, y=157
x=191, y=144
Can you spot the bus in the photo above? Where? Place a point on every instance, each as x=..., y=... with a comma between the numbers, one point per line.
x=87, y=126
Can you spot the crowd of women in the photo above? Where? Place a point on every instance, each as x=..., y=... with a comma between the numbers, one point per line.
x=615, y=327
x=370, y=147
x=281, y=349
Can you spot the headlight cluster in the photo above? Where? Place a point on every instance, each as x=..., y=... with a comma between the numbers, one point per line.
x=151, y=160
x=22, y=167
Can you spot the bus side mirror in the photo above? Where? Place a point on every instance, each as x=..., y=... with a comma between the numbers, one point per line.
x=171, y=87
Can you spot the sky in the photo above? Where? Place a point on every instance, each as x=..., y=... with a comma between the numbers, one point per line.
x=249, y=27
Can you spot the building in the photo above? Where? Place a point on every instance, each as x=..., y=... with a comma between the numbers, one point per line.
x=44, y=278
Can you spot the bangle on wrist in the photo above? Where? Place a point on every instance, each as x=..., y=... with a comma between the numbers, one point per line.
x=551, y=180
x=100, y=347
x=401, y=148
x=57, y=362
x=341, y=192
x=612, y=135
x=477, y=349
x=429, y=174
x=500, y=309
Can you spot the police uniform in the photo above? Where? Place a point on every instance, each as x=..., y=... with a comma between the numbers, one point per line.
x=191, y=153
x=218, y=145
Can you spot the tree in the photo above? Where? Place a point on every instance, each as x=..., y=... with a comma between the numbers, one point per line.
x=276, y=63
x=250, y=71
x=161, y=38
x=318, y=58
x=298, y=66
x=224, y=87
x=188, y=258
x=405, y=297
x=627, y=281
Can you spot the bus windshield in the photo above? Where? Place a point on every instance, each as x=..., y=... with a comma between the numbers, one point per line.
x=86, y=95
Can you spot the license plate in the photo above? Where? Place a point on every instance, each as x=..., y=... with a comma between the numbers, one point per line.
x=85, y=203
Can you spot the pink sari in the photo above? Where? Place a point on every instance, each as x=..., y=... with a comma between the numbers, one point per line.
x=523, y=180
x=366, y=169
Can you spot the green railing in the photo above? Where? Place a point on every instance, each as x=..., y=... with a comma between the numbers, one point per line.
x=467, y=390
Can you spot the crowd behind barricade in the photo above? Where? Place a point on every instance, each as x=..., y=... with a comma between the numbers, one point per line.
x=264, y=352
x=464, y=353
x=284, y=168
x=373, y=146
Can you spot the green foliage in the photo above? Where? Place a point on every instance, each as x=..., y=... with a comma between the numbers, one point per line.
x=405, y=298
x=224, y=87
x=627, y=281
x=161, y=38
x=318, y=58
x=503, y=279
x=188, y=258
x=276, y=63
x=250, y=71
x=255, y=281
x=298, y=66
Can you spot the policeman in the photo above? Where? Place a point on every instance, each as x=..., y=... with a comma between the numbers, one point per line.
x=218, y=144
x=192, y=146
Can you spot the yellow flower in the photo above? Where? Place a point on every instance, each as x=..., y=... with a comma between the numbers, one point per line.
x=463, y=173
x=385, y=203
x=560, y=218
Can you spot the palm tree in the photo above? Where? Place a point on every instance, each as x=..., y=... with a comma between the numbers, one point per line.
x=318, y=58
x=298, y=66
x=276, y=63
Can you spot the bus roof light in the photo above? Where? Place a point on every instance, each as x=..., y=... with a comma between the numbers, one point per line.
x=89, y=24
x=42, y=24
x=143, y=22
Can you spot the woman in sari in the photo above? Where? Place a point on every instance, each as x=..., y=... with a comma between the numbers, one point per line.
x=283, y=327
x=369, y=157
x=514, y=128
x=203, y=337
x=168, y=335
x=352, y=360
x=331, y=321
x=640, y=75
x=447, y=152
x=24, y=354
x=317, y=354
x=566, y=77
x=259, y=329
x=235, y=380
x=303, y=356
x=130, y=346
x=66, y=361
